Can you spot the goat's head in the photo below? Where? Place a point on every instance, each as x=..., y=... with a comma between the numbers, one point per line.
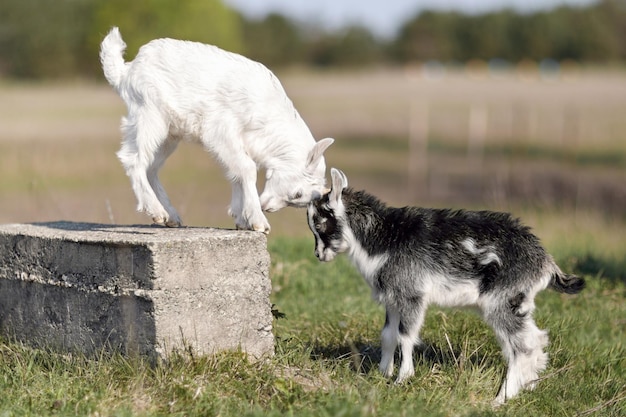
x=327, y=219
x=297, y=189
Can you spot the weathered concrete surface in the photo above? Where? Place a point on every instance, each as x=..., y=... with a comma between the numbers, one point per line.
x=139, y=289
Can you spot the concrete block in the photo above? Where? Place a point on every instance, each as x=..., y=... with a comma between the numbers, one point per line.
x=139, y=289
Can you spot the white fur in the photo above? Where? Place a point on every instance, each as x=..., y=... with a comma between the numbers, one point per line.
x=487, y=253
x=236, y=108
x=461, y=293
x=368, y=265
x=523, y=369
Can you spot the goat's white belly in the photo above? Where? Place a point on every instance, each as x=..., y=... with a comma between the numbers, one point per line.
x=446, y=292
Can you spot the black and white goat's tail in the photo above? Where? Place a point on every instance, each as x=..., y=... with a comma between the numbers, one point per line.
x=566, y=283
x=112, y=57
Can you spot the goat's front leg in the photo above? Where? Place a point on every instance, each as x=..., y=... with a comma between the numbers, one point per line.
x=236, y=204
x=245, y=205
x=411, y=319
x=389, y=341
x=240, y=169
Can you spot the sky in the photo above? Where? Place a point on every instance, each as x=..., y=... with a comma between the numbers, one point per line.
x=382, y=17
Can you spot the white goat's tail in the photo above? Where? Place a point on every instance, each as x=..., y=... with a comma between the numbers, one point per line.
x=112, y=57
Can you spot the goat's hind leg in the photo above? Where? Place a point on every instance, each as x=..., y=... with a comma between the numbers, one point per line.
x=137, y=155
x=522, y=345
x=162, y=153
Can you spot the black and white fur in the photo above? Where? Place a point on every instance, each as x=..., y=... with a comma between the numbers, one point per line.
x=413, y=257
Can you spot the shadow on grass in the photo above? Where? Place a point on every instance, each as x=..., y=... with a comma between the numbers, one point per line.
x=610, y=269
x=364, y=357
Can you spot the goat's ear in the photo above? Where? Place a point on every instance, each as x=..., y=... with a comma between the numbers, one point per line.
x=317, y=152
x=339, y=183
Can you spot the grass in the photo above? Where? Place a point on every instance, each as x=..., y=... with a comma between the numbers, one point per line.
x=327, y=351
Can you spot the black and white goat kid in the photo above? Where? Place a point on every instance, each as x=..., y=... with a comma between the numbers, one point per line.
x=412, y=257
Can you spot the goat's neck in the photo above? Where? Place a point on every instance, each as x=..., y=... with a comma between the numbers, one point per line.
x=366, y=250
x=280, y=155
x=365, y=217
x=284, y=150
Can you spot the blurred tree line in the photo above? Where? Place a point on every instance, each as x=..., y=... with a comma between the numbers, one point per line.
x=60, y=38
x=592, y=34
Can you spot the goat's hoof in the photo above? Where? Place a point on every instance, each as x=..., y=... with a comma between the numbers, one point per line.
x=166, y=222
x=263, y=229
x=386, y=371
x=403, y=377
x=255, y=227
x=497, y=402
x=158, y=221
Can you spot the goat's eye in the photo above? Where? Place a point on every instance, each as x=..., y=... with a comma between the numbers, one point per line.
x=296, y=196
x=320, y=225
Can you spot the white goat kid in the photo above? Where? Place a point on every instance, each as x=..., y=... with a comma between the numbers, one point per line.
x=412, y=257
x=178, y=90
